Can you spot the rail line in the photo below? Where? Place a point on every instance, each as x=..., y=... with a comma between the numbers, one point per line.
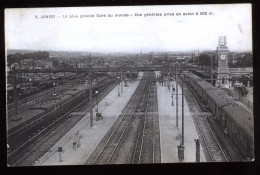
x=140, y=138
x=32, y=100
x=46, y=133
x=214, y=149
x=106, y=153
x=25, y=105
x=119, y=137
x=36, y=119
x=234, y=154
x=146, y=145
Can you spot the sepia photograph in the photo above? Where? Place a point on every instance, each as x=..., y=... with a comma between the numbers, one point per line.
x=129, y=84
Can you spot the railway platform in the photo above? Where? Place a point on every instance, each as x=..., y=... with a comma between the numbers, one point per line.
x=170, y=135
x=81, y=140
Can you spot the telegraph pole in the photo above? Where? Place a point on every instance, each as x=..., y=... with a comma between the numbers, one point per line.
x=121, y=80
x=181, y=146
x=211, y=71
x=14, y=89
x=176, y=72
x=198, y=57
x=118, y=86
x=182, y=112
x=90, y=92
x=168, y=84
x=20, y=74
x=64, y=70
x=172, y=95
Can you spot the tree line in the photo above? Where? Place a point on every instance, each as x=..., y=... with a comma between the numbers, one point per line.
x=240, y=61
x=18, y=57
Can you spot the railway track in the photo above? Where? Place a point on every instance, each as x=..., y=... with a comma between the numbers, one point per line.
x=24, y=105
x=146, y=148
x=132, y=133
x=215, y=152
x=33, y=100
x=228, y=146
x=45, y=96
x=234, y=154
x=105, y=152
x=33, y=141
x=141, y=132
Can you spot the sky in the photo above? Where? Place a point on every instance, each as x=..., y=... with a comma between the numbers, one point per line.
x=129, y=34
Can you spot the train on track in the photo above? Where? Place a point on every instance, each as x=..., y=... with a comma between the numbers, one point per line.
x=235, y=120
x=61, y=100
x=53, y=113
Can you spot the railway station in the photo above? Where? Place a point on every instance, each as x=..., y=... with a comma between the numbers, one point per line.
x=167, y=115
x=116, y=95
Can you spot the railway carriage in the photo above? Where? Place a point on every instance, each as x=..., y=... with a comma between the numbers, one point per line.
x=201, y=87
x=236, y=121
x=216, y=99
x=240, y=126
x=211, y=103
x=66, y=100
x=191, y=79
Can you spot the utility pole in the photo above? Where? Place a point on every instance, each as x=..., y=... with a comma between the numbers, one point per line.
x=14, y=89
x=20, y=75
x=211, y=71
x=118, y=86
x=181, y=146
x=182, y=101
x=90, y=92
x=169, y=77
x=121, y=80
x=217, y=81
x=64, y=71
x=198, y=57
x=176, y=78
x=97, y=100
x=172, y=95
